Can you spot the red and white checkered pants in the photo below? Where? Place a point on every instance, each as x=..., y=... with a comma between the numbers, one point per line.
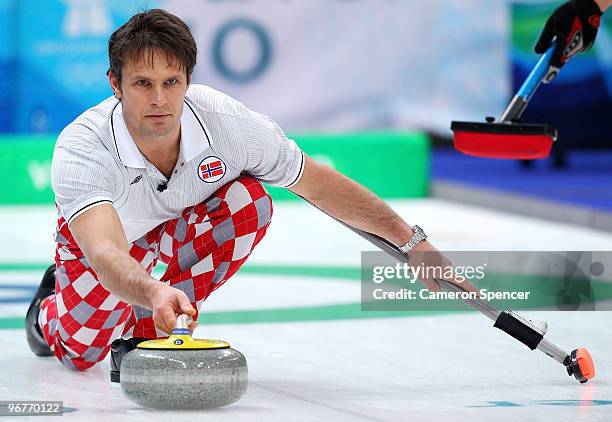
x=203, y=248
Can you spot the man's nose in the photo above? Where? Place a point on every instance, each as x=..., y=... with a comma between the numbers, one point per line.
x=158, y=97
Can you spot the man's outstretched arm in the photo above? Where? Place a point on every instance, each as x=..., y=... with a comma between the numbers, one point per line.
x=99, y=234
x=350, y=202
x=355, y=205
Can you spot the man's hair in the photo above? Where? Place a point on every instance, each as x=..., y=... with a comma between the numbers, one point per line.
x=149, y=32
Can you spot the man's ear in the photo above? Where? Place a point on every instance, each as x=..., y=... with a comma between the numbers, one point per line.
x=114, y=84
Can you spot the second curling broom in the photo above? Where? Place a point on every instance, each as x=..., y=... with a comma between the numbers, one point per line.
x=508, y=137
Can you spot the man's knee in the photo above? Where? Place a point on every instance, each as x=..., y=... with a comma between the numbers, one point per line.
x=247, y=199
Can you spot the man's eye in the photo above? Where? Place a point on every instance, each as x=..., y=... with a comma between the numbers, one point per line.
x=142, y=82
x=171, y=82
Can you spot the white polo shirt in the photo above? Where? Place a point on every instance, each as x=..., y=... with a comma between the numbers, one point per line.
x=96, y=161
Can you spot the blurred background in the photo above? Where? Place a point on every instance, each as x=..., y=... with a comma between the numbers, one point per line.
x=369, y=86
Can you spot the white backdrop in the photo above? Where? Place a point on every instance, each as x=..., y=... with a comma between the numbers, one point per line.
x=335, y=65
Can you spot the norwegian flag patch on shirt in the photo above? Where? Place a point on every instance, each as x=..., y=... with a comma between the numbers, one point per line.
x=211, y=169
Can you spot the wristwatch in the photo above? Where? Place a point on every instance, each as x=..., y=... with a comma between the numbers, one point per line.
x=419, y=235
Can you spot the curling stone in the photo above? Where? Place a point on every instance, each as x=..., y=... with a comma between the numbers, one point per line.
x=180, y=372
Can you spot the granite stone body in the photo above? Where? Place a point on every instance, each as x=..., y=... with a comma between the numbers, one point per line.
x=184, y=379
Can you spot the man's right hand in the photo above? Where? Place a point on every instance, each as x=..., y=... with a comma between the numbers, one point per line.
x=426, y=255
x=167, y=303
x=575, y=24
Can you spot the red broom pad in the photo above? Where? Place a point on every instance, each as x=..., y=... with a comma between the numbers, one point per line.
x=500, y=145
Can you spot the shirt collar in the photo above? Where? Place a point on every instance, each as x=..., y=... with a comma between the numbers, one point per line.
x=194, y=137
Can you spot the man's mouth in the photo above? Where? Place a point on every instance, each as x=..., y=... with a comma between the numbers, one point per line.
x=157, y=117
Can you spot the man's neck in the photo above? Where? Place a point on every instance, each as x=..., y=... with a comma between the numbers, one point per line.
x=162, y=152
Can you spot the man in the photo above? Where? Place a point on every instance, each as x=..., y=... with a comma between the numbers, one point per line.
x=171, y=171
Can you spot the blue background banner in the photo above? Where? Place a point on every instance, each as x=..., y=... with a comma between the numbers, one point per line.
x=56, y=52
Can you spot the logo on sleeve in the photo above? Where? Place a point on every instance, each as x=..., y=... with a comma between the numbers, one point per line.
x=211, y=169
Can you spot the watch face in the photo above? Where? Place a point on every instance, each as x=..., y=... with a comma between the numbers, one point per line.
x=419, y=231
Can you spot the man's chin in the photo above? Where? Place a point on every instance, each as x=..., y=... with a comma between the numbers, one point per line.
x=156, y=132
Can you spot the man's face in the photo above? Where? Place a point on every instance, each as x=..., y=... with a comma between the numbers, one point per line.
x=152, y=94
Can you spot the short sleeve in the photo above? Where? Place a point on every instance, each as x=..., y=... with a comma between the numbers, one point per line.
x=271, y=157
x=81, y=180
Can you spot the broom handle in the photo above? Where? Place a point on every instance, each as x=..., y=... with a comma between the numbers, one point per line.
x=542, y=72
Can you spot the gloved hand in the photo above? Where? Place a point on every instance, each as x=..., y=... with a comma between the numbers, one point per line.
x=575, y=24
